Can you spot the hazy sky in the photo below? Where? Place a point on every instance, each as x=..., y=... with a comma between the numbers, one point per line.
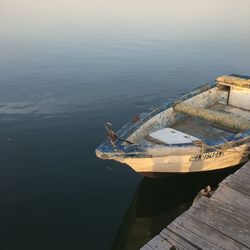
x=18, y=18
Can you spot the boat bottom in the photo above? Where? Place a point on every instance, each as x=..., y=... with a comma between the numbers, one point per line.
x=189, y=174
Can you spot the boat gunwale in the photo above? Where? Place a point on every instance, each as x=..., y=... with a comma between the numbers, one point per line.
x=126, y=130
x=117, y=147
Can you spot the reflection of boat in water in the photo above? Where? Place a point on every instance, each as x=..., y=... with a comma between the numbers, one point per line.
x=157, y=202
x=205, y=130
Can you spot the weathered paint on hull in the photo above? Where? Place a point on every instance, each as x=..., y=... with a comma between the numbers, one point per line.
x=183, y=164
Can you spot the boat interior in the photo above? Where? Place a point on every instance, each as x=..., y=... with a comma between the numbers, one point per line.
x=218, y=112
x=204, y=129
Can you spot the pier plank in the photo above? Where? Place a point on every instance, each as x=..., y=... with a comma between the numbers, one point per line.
x=207, y=233
x=146, y=247
x=174, y=239
x=223, y=220
x=219, y=222
x=158, y=243
x=238, y=183
x=190, y=237
x=233, y=199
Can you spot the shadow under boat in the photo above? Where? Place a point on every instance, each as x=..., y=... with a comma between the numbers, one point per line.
x=157, y=202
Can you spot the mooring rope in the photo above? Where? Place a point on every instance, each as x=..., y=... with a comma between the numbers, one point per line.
x=222, y=148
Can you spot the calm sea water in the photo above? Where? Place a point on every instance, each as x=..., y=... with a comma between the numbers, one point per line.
x=66, y=67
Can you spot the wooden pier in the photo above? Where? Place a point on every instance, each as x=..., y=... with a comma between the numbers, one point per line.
x=219, y=222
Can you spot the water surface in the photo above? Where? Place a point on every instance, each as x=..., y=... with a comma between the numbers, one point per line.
x=68, y=66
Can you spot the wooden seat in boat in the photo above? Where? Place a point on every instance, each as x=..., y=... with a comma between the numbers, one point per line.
x=215, y=117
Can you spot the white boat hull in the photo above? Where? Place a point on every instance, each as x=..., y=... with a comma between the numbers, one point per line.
x=189, y=163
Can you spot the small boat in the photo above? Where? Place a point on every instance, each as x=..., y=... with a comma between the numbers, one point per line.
x=207, y=129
